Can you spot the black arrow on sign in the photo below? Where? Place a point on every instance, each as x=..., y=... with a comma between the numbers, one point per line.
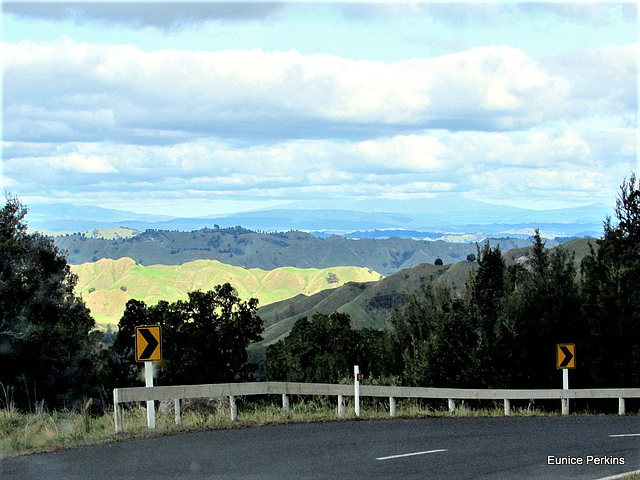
x=152, y=343
x=568, y=356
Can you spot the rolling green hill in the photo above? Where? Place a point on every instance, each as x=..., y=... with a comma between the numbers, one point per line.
x=106, y=285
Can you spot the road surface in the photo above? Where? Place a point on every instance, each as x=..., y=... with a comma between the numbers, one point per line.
x=576, y=447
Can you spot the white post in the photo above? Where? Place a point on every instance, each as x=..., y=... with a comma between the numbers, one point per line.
x=117, y=411
x=452, y=406
x=507, y=407
x=565, y=386
x=340, y=406
x=392, y=407
x=151, y=407
x=356, y=371
x=285, y=405
x=234, y=408
x=178, y=411
x=621, y=409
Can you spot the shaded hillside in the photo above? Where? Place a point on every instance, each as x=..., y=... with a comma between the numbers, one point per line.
x=107, y=285
x=267, y=251
x=370, y=304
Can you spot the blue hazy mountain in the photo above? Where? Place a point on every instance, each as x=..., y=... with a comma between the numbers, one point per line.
x=457, y=216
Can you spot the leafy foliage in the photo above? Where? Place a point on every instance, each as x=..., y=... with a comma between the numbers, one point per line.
x=46, y=348
x=610, y=290
x=204, y=338
x=324, y=350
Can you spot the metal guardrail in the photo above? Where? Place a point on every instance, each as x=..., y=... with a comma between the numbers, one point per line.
x=232, y=390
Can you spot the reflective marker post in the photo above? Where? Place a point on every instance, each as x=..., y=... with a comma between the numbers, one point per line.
x=356, y=372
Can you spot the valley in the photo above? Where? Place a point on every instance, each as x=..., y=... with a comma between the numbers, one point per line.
x=292, y=274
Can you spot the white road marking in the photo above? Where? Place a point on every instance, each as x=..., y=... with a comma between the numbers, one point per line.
x=391, y=457
x=625, y=435
x=620, y=476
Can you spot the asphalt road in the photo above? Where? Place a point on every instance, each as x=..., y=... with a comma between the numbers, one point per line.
x=434, y=448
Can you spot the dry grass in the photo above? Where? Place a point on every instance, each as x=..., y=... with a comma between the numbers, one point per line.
x=22, y=433
x=41, y=431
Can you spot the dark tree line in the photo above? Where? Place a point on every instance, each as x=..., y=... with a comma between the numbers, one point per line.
x=503, y=332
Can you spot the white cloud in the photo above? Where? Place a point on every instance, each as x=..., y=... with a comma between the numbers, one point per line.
x=489, y=122
x=82, y=164
x=99, y=92
x=416, y=153
x=509, y=165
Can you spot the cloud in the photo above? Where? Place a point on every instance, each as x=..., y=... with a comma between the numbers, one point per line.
x=602, y=80
x=563, y=164
x=141, y=14
x=71, y=91
x=75, y=162
x=407, y=153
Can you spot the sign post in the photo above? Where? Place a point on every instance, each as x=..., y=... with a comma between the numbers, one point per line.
x=148, y=350
x=565, y=359
x=151, y=406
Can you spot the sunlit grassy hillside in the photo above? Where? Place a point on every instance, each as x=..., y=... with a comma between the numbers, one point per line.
x=107, y=285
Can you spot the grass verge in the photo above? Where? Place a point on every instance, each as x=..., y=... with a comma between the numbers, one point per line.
x=24, y=433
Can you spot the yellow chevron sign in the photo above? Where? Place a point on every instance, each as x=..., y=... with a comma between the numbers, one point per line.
x=565, y=355
x=148, y=343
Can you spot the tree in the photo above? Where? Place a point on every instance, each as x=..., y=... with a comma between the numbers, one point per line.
x=323, y=349
x=610, y=290
x=489, y=283
x=46, y=348
x=542, y=310
x=205, y=338
x=332, y=278
x=416, y=330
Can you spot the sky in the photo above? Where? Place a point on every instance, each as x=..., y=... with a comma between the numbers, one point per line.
x=202, y=108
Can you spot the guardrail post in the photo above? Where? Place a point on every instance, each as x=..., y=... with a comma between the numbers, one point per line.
x=621, y=410
x=285, y=405
x=452, y=406
x=178, y=411
x=234, y=408
x=507, y=407
x=117, y=411
x=340, y=406
x=392, y=407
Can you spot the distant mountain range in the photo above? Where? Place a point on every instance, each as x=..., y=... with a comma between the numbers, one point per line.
x=425, y=218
